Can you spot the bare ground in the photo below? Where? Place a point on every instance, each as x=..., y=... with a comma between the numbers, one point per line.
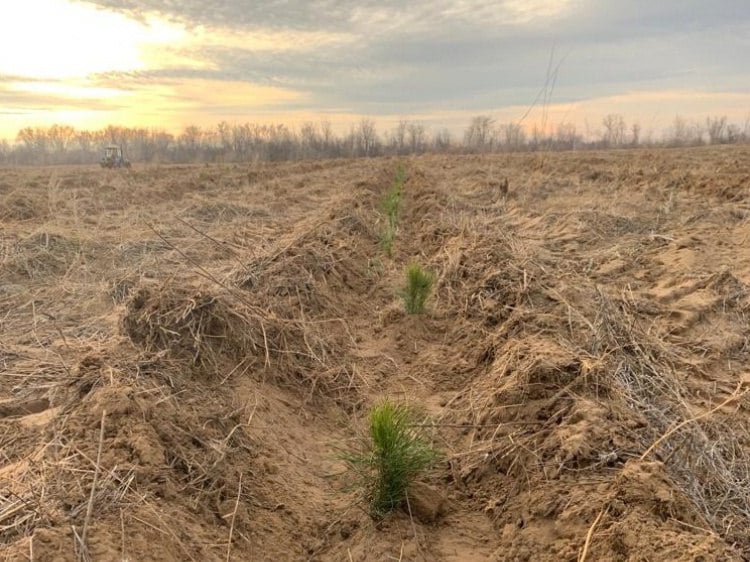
x=184, y=352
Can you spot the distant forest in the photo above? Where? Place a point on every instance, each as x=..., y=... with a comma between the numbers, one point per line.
x=62, y=144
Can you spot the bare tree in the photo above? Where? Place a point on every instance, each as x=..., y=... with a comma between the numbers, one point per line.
x=512, y=135
x=443, y=141
x=478, y=136
x=330, y=146
x=35, y=145
x=734, y=134
x=241, y=139
x=398, y=137
x=716, y=129
x=417, y=137
x=224, y=134
x=113, y=134
x=5, y=151
x=85, y=141
x=241, y=142
x=190, y=142
x=162, y=143
x=60, y=137
x=366, y=138
x=679, y=133
x=310, y=140
x=280, y=143
x=27, y=137
x=683, y=133
x=635, y=134
x=536, y=137
x=614, y=130
x=566, y=136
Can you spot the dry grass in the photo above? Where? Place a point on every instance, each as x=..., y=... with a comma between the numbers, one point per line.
x=584, y=359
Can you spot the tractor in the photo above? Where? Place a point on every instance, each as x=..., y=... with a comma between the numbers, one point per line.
x=113, y=158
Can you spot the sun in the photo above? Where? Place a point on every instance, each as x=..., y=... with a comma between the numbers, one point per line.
x=59, y=39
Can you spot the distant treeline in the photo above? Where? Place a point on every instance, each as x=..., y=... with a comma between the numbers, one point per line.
x=62, y=144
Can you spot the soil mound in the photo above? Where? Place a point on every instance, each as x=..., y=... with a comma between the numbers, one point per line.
x=190, y=323
x=183, y=363
x=19, y=207
x=45, y=254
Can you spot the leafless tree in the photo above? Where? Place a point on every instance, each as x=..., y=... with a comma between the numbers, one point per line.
x=635, y=134
x=5, y=151
x=366, y=138
x=680, y=133
x=417, y=137
x=716, y=129
x=224, y=135
x=34, y=142
x=398, y=137
x=566, y=136
x=162, y=143
x=734, y=134
x=245, y=142
x=60, y=138
x=536, y=137
x=614, y=130
x=241, y=141
x=113, y=134
x=85, y=141
x=443, y=141
x=280, y=143
x=683, y=133
x=190, y=142
x=512, y=135
x=478, y=136
x=310, y=140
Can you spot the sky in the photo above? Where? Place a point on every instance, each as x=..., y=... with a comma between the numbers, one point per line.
x=172, y=63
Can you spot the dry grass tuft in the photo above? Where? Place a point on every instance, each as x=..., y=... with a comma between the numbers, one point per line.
x=191, y=323
x=18, y=516
x=580, y=360
x=15, y=206
x=45, y=254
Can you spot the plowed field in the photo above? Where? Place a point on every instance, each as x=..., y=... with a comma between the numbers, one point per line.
x=185, y=352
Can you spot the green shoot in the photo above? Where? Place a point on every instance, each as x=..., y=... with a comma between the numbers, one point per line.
x=397, y=453
x=418, y=287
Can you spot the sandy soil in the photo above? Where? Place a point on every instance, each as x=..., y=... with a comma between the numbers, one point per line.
x=185, y=351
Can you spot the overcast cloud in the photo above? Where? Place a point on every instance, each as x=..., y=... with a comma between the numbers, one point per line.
x=388, y=58
x=399, y=57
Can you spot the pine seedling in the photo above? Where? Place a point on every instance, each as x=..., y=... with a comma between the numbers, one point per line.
x=418, y=287
x=397, y=453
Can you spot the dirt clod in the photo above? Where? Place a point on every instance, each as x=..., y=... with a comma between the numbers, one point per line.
x=426, y=503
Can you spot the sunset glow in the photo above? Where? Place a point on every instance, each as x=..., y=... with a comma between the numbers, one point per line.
x=58, y=39
x=91, y=63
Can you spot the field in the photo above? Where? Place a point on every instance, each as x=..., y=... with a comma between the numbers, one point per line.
x=185, y=352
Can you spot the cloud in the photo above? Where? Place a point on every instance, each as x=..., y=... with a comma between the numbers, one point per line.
x=35, y=96
x=234, y=58
x=484, y=67
x=328, y=15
